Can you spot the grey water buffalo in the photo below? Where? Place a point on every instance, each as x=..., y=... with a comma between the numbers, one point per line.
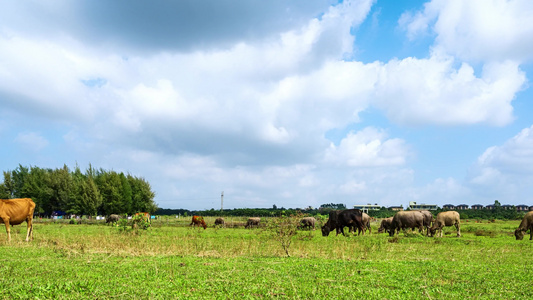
x=385, y=226
x=407, y=219
x=16, y=211
x=446, y=218
x=308, y=222
x=112, y=219
x=338, y=219
x=252, y=222
x=525, y=225
x=366, y=223
x=428, y=219
x=220, y=221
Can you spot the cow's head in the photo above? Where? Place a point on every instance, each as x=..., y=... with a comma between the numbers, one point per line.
x=432, y=231
x=381, y=229
x=519, y=234
x=325, y=230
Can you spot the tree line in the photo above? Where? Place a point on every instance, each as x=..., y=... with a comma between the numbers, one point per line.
x=486, y=214
x=95, y=191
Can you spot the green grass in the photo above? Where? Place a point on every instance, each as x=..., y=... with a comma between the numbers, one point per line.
x=173, y=261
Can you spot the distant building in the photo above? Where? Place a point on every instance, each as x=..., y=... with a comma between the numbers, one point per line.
x=477, y=206
x=531, y=207
x=367, y=207
x=461, y=207
x=423, y=206
x=507, y=206
x=490, y=206
x=522, y=207
x=448, y=206
x=396, y=208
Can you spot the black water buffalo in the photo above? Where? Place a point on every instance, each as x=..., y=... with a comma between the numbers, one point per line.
x=252, y=222
x=220, y=221
x=407, y=219
x=366, y=219
x=385, y=226
x=308, y=222
x=112, y=218
x=338, y=219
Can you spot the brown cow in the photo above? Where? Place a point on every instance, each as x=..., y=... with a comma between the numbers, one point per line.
x=407, y=219
x=16, y=211
x=252, y=222
x=220, y=221
x=145, y=216
x=446, y=218
x=198, y=221
x=385, y=226
x=527, y=223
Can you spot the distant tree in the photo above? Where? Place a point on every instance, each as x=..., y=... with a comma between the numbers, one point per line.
x=333, y=206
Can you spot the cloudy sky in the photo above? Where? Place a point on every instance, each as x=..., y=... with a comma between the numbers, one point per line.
x=292, y=103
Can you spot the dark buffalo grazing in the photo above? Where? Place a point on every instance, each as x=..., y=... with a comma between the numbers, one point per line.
x=112, y=219
x=366, y=219
x=220, y=221
x=525, y=225
x=252, y=222
x=407, y=219
x=198, y=221
x=385, y=226
x=446, y=218
x=16, y=211
x=338, y=219
x=308, y=222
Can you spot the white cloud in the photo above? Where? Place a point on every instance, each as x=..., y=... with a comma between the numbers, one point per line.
x=432, y=91
x=248, y=114
x=514, y=158
x=505, y=171
x=368, y=148
x=478, y=30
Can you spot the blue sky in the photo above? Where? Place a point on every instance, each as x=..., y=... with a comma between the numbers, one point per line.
x=292, y=103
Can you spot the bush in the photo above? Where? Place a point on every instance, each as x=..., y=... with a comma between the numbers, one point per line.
x=284, y=228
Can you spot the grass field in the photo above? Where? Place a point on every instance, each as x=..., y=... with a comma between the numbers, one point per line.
x=174, y=261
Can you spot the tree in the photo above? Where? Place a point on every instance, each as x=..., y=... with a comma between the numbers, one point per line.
x=110, y=188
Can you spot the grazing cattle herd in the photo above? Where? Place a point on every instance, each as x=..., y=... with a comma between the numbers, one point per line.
x=16, y=211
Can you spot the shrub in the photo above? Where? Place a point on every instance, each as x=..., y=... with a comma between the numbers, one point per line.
x=284, y=228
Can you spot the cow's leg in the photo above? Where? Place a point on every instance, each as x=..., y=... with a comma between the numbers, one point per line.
x=458, y=229
x=8, y=228
x=30, y=229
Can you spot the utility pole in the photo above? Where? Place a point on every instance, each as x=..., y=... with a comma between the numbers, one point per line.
x=222, y=201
